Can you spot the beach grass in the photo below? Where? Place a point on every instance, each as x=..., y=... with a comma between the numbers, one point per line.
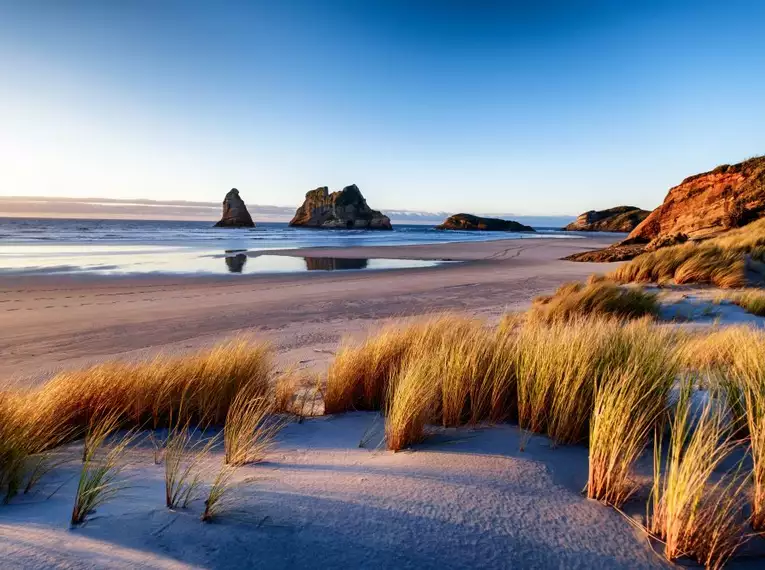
x=597, y=296
x=99, y=476
x=29, y=433
x=752, y=301
x=359, y=376
x=692, y=513
x=732, y=260
x=185, y=455
x=586, y=376
x=628, y=406
x=218, y=492
x=249, y=429
x=151, y=393
x=747, y=377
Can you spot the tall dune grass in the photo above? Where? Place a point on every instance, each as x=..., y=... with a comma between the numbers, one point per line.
x=545, y=374
x=411, y=406
x=150, y=393
x=752, y=301
x=359, y=376
x=29, y=431
x=596, y=297
x=727, y=261
x=249, y=430
x=695, y=515
x=560, y=365
x=746, y=377
x=627, y=407
x=465, y=375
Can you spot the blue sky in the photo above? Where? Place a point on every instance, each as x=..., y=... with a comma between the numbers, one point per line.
x=548, y=107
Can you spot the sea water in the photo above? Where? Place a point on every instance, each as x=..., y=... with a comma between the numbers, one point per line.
x=44, y=246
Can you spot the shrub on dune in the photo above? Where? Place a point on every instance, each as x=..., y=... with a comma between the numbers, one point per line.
x=596, y=297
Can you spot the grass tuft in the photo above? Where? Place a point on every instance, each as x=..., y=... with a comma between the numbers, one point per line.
x=596, y=297
x=185, y=455
x=249, y=430
x=219, y=490
x=694, y=515
x=752, y=301
x=99, y=477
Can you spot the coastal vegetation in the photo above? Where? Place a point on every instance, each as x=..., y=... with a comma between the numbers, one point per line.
x=732, y=260
x=752, y=301
x=578, y=368
x=598, y=296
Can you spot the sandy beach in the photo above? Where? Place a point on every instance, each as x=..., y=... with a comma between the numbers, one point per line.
x=56, y=322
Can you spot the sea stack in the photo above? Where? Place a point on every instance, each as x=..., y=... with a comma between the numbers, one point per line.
x=477, y=223
x=235, y=214
x=346, y=209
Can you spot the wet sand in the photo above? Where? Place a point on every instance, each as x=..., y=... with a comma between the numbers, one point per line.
x=56, y=322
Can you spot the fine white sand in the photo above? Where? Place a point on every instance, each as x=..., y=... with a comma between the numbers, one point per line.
x=467, y=498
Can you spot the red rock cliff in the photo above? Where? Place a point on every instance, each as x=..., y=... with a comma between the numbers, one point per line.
x=705, y=204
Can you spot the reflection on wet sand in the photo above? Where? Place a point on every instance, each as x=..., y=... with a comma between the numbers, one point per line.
x=334, y=263
x=236, y=263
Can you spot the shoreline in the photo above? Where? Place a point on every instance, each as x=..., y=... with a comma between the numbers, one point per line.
x=56, y=322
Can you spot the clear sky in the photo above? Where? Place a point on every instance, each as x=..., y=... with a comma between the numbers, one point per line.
x=544, y=107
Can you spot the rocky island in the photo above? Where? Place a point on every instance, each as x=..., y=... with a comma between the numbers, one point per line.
x=477, y=223
x=345, y=209
x=235, y=214
x=619, y=219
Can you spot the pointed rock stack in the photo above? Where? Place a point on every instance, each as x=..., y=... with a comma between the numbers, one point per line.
x=235, y=214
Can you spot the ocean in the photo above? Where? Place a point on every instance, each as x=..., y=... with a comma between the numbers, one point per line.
x=61, y=246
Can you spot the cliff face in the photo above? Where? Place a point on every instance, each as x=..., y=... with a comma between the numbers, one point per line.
x=346, y=209
x=471, y=222
x=727, y=197
x=235, y=214
x=619, y=219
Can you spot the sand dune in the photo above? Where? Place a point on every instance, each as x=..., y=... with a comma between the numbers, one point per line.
x=466, y=499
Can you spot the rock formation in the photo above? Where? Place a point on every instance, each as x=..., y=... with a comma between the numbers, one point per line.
x=471, y=222
x=702, y=206
x=346, y=209
x=707, y=204
x=235, y=214
x=619, y=219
